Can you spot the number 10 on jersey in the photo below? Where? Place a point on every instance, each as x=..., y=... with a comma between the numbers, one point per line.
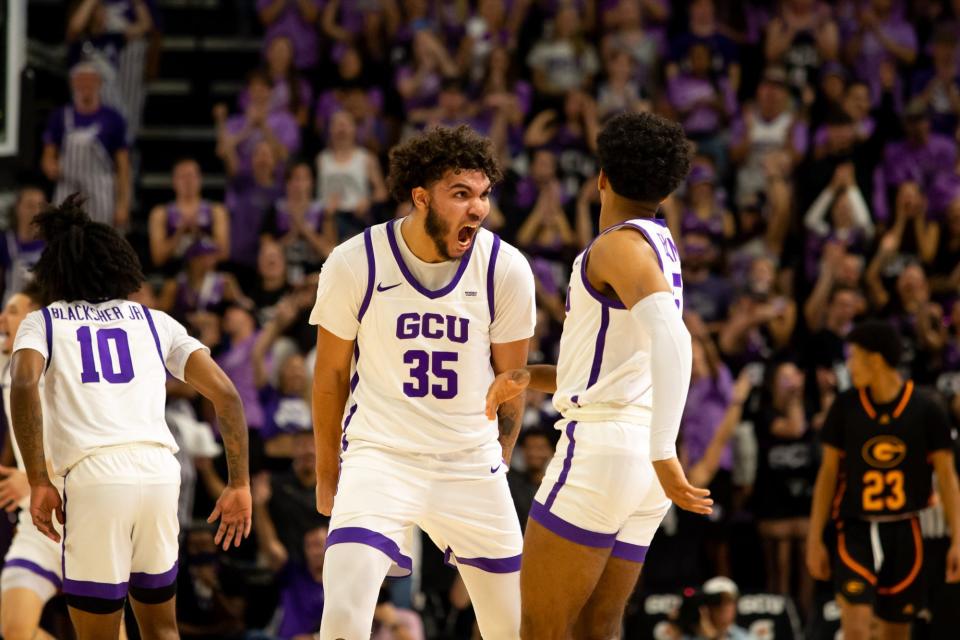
x=117, y=372
x=425, y=363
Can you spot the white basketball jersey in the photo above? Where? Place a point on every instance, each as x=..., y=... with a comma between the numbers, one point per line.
x=603, y=371
x=423, y=356
x=106, y=373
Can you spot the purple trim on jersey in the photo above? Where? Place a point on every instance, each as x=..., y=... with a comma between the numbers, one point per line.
x=362, y=535
x=575, y=398
x=491, y=267
x=63, y=538
x=490, y=565
x=35, y=568
x=598, y=349
x=154, y=580
x=599, y=297
x=48, y=325
x=567, y=461
x=91, y=589
x=627, y=551
x=371, y=272
x=353, y=385
x=156, y=337
x=439, y=293
x=653, y=244
x=346, y=423
x=572, y=532
x=677, y=280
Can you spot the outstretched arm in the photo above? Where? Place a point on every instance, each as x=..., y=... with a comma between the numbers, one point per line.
x=949, y=490
x=234, y=507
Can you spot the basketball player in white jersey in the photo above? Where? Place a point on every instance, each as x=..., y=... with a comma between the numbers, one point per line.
x=31, y=570
x=415, y=317
x=104, y=362
x=620, y=384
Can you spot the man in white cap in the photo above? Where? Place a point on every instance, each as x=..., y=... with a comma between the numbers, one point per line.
x=718, y=614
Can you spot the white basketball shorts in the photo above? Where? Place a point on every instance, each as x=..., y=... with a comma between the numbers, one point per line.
x=33, y=560
x=460, y=500
x=600, y=489
x=121, y=521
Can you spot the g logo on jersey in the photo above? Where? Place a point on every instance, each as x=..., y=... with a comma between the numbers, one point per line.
x=854, y=587
x=884, y=452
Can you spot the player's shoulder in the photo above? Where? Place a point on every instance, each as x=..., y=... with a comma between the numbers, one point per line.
x=351, y=249
x=924, y=397
x=510, y=261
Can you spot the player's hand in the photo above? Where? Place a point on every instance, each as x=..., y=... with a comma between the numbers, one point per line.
x=506, y=386
x=325, y=494
x=235, y=509
x=818, y=560
x=14, y=487
x=44, y=501
x=679, y=490
x=953, y=562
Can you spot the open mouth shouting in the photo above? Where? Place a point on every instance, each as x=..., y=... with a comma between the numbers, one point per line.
x=466, y=234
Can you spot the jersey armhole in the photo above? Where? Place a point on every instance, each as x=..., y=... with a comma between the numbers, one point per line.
x=48, y=326
x=601, y=297
x=371, y=272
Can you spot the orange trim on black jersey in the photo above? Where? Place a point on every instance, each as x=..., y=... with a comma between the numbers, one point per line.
x=907, y=393
x=917, y=564
x=865, y=401
x=855, y=566
x=838, y=499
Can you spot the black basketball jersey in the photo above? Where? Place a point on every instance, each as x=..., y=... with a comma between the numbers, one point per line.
x=885, y=469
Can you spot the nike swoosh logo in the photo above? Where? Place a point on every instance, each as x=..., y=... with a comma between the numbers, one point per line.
x=380, y=286
x=494, y=469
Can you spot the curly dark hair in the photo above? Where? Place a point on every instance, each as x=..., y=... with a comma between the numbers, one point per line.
x=645, y=156
x=83, y=260
x=422, y=160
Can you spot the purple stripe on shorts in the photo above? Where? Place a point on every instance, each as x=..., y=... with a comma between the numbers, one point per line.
x=48, y=325
x=600, y=345
x=567, y=461
x=35, y=568
x=492, y=565
x=677, y=280
x=371, y=272
x=432, y=294
x=154, y=580
x=92, y=589
x=568, y=531
x=362, y=535
x=346, y=423
x=627, y=551
x=491, y=267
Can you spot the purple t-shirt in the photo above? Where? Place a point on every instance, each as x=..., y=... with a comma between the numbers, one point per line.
x=707, y=403
x=684, y=92
x=283, y=126
x=248, y=204
x=428, y=92
x=109, y=127
x=926, y=165
x=304, y=36
x=873, y=53
x=301, y=600
x=236, y=362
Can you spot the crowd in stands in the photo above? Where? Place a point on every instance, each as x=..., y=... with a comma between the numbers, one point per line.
x=825, y=188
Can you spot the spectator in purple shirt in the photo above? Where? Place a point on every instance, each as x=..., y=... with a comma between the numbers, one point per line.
x=20, y=248
x=300, y=581
x=85, y=150
x=238, y=135
x=704, y=28
x=881, y=37
x=297, y=20
x=290, y=91
x=418, y=82
x=922, y=157
x=250, y=195
x=353, y=90
x=240, y=328
x=704, y=102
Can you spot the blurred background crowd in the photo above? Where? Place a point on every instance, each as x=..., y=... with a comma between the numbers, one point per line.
x=237, y=143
